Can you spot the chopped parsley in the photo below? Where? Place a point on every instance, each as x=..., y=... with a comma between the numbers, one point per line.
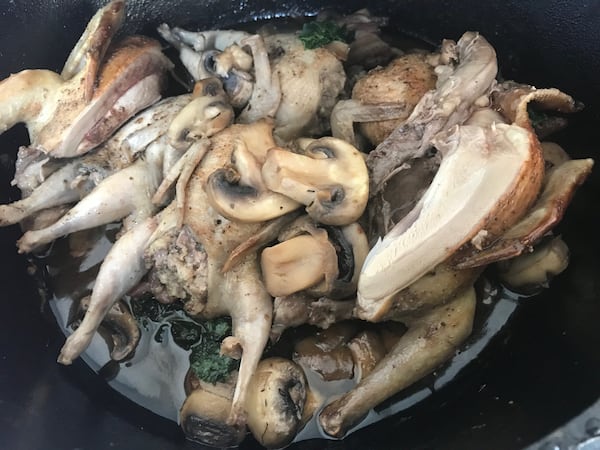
x=206, y=360
x=318, y=34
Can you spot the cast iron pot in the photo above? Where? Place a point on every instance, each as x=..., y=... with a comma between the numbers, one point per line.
x=536, y=384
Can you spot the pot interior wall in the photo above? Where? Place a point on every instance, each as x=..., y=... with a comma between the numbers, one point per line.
x=538, y=374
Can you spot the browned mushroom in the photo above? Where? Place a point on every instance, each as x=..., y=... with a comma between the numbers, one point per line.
x=203, y=415
x=326, y=352
x=275, y=403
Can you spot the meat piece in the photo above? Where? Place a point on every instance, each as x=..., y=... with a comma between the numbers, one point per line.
x=487, y=181
x=404, y=81
x=311, y=82
x=457, y=90
x=122, y=269
x=178, y=269
x=71, y=181
x=429, y=341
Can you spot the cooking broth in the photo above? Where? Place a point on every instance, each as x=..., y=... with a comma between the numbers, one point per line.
x=154, y=377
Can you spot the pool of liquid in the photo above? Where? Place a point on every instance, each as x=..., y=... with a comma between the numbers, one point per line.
x=154, y=376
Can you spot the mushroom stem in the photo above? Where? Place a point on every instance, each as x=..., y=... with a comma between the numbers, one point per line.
x=204, y=116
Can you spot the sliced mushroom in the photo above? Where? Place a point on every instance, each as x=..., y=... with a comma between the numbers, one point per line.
x=120, y=328
x=367, y=350
x=275, y=402
x=487, y=180
x=234, y=56
x=329, y=177
x=207, y=113
x=326, y=352
x=320, y=261
x=352, y=249
x=239, y=193
x=297, y=264
x=531, y=271
x=515, y=102
x=203, y=416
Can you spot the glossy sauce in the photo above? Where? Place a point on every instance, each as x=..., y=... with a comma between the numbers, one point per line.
x=154, y=377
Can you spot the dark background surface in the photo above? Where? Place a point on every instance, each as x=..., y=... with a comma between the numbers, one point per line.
x=542, y=371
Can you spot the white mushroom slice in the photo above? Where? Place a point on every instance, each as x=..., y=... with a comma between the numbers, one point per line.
x=207, y=114
x=513, y=101
x=298, y=263
x=357, y=239
x=486, y=182
x=238, y=192
x=329, y=176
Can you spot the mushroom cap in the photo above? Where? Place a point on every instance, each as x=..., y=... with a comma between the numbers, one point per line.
x=531, y=271
x=238, y=192
x=329, y=176
x=203, y=418
x=275, y=404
